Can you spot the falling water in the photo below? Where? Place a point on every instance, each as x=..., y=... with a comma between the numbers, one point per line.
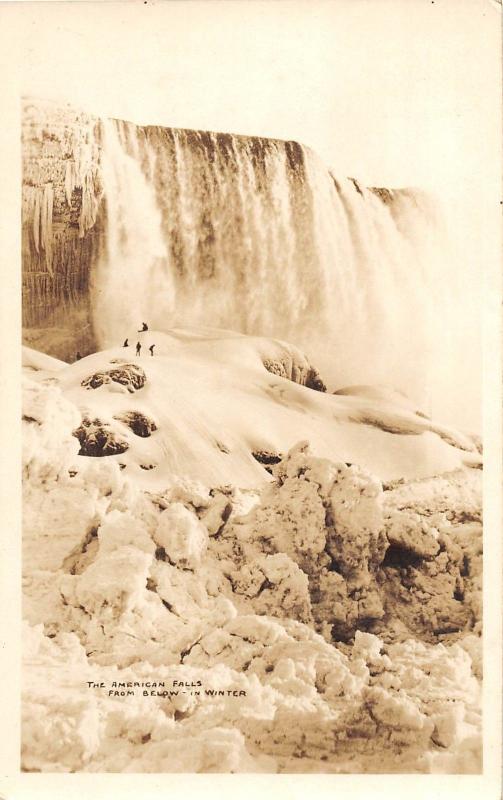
x=134, y=270
x=256, y=235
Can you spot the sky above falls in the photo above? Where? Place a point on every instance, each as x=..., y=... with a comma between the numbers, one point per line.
x=396, y=92
x=392, y=92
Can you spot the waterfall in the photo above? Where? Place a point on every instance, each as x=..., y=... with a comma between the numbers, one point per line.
x=258, y=236
x=133, y=276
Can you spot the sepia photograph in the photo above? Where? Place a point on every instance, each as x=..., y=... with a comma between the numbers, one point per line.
x=256, y=246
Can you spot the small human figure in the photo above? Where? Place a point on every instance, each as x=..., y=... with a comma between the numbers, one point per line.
x=138, y=348
x=151, y=348
x=126, y=343
x=78, y=356
x=144, y=327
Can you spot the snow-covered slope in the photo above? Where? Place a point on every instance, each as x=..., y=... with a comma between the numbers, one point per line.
x=191, y=606
x=214, y=403
x=40, y=362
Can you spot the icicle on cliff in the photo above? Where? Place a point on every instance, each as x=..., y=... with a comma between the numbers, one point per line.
x=61, y=232
x=186, y=227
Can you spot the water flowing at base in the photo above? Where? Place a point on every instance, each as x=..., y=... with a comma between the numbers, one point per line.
x=256, y=235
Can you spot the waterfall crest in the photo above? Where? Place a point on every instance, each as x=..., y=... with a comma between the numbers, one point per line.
x=257, y=235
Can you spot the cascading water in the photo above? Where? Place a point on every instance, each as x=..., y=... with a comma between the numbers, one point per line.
x=256, y=235
x=134, y=268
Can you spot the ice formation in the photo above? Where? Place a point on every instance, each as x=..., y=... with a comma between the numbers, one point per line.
x=320, y=617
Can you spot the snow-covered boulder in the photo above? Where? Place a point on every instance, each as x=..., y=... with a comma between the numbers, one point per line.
x=132, y=376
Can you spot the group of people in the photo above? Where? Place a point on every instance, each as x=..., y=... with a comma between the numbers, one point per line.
x=144, y=327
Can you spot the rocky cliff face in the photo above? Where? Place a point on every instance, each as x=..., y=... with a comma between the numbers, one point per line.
x=61, y=226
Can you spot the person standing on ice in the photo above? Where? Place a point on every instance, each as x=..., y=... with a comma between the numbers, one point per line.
x=144, y=327
x=138, y=348
x=151, y=348
x=126, y=343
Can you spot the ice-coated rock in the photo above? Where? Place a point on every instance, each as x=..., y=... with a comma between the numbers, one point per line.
x=48, y=421
x=97, y=439
x=140, y=424
x=182, y=536
x=131, y=376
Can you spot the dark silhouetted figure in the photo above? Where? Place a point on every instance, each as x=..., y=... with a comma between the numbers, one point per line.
x=126, y=343
x=138, y=348
x=78, y=356
x=151, y=348
x=144, y=327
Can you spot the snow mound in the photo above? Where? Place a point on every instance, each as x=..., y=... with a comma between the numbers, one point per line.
x=34, y=360
x=385, y=394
